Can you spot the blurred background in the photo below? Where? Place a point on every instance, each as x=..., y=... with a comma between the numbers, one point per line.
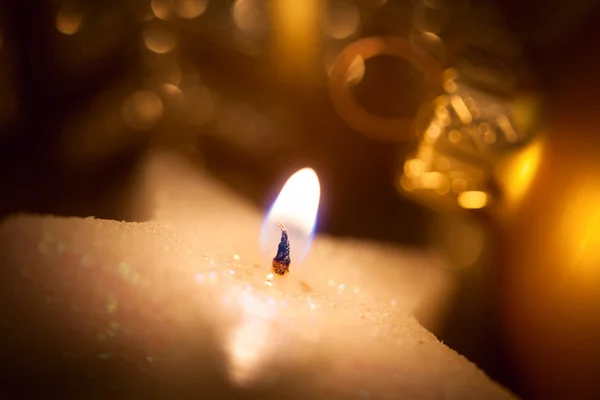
x=428, y=142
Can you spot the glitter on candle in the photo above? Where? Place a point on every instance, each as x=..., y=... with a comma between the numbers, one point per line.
x=281, y=262
x=199, y=278
x=268, y=279
x=249, y=340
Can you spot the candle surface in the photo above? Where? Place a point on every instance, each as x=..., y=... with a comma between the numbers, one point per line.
x=180, y=307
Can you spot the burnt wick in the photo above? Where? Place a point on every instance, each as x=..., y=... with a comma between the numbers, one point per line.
x=282, y=261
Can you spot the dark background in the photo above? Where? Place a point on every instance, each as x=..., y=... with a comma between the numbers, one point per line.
x=263, y=126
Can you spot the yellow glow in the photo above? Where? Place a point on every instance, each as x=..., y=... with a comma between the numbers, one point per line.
x=516, y=172
x=296, y=26
x=296, y=207
x=472, y=199
x=68, y=22
x=578, y=234
x=159, y=41
x=434, y=180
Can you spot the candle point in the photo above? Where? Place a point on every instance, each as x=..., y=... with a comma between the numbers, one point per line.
x=282, y=261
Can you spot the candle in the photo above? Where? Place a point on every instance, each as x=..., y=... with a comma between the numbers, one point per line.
x=180, y=306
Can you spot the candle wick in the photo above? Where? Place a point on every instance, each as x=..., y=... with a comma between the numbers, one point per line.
x=282, y=261
x=281, y=226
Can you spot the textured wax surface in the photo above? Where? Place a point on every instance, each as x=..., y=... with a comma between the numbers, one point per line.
x=105, y=309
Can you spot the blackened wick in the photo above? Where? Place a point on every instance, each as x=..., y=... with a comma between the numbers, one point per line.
x=281, y=262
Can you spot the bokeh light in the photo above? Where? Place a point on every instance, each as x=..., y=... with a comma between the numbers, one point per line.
x=142, y=110
x=187, y=9
x=249, y=17
x=473, y=199
x=161, y=8
x=341, y=20
x=69, y=21
x=190, y=9
x=159, y=41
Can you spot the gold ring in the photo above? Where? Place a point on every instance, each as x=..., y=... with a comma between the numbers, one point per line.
x=356, y=116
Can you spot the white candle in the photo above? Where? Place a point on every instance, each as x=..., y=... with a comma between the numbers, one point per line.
x=180, y=307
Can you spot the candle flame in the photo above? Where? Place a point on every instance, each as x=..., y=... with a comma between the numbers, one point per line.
x=296, y=207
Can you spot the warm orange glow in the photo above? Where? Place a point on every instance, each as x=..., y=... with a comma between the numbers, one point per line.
x=450, y=86
x=489, y=137
x=201, y=103
x=405, y=183
x=142, y=110
x=190, y=9
x=159, y=41
x=472, y=199
x=449, y=74
x=459, y=185
x=69, y=22
x=433, y=131
x=161, y=8
x=454, y=136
